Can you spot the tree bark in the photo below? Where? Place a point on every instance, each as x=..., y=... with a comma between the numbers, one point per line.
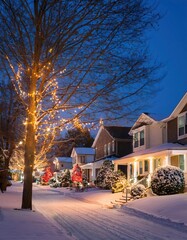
x=29, y=153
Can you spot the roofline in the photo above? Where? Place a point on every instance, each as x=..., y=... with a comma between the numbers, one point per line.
x=142, y=114
x=180, y=105
x=97, y=136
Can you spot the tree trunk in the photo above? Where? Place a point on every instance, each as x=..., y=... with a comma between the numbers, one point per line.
x=29, y=153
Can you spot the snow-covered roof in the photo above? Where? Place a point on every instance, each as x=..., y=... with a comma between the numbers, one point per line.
x=84, y=151
x=64, y=159
x=159, y=148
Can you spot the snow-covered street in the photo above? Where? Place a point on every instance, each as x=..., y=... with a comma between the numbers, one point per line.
x=82, y=216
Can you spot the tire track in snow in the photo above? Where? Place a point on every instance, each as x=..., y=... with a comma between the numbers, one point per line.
x=82, y=220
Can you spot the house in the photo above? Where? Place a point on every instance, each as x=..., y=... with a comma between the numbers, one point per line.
x=157, y=143
x=83, y=156
x=111, y=142
x=61, y=163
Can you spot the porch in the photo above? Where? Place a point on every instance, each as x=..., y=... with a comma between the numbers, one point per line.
x=144, y=163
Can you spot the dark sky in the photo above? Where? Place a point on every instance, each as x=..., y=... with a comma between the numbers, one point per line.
x=169, y=46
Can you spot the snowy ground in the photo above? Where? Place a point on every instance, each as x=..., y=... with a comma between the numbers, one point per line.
x=68, y=215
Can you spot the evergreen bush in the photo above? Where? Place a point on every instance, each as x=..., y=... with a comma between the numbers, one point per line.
x=106, y=176
x=168, y=180
x=138, y=191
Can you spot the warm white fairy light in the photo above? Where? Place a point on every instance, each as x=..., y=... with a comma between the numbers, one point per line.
x=51, y=114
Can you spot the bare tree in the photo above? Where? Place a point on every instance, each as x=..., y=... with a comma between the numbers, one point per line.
x=74, y=59
x=10, y=129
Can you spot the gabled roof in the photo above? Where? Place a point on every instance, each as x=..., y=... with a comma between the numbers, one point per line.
x=143, y=119
x=177, y=109
x=116, y=132
x=64, y=159
x=83, y=151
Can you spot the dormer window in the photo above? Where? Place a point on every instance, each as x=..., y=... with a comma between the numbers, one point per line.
x=142, y=138
x=182, y=124
x=139, y=139
x=136, y=140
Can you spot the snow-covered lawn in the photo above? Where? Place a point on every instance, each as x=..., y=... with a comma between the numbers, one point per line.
x=22, y=225
x=172, y=207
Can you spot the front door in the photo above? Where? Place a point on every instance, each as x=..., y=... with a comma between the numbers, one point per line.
x=123, y=168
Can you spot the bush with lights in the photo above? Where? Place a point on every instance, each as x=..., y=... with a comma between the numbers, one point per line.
x=107, y=177
x=168, y=180
x=120, y=184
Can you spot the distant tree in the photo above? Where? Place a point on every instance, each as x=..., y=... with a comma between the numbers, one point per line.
x=11, y=127
x=75, y=137
x=74, y=59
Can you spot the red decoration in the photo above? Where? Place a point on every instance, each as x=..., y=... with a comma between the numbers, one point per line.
x=77, y=174
x=47, y=175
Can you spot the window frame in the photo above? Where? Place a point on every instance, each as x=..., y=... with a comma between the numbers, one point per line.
x=182, y=126
x=109, y=149
x=139, y=138
x=142, y=140
x=146, y=165
x=82, y=159
x=181, y=161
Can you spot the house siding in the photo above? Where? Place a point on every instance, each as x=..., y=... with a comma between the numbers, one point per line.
x=103, y=139
x=172, y=131
x=124, y=148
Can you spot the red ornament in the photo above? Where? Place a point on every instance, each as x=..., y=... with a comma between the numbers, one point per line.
x=77, y=174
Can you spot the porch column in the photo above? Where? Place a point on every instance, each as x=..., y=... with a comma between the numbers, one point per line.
x=151, y=165
x=150, y=171
x=135, y=171
x=115, y=166
x=185, y=162
x=93, y=173
x=128, y=171
x=167, y=160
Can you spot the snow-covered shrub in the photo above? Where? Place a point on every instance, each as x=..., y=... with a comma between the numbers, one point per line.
x=168, y=180
x=61, y=180
x=66, y=179
x=138, y=191
x=106, y=176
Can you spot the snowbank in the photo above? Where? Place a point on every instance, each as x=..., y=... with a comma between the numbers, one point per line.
x=172, y=207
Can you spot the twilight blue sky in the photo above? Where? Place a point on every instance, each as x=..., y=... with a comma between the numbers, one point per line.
x=168, y=45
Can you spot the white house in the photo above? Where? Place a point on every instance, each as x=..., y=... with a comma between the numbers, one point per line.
x=84, y=157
